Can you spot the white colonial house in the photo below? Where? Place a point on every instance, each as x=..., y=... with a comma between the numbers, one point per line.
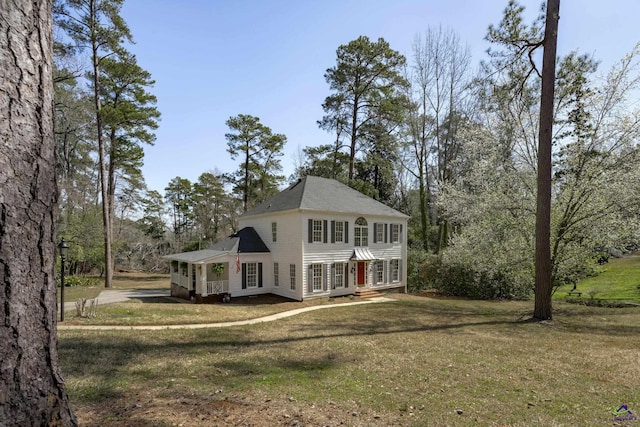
x=317, y=238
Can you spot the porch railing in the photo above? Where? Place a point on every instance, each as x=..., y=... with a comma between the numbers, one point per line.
x=217, y=287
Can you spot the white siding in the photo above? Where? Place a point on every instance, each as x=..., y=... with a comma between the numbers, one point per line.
x=292, y=247
x=285, y=251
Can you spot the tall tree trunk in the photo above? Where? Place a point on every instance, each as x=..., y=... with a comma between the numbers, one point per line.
x=102, y=166
x=32, y=391
x=544, y=286
x=354, y=138
x=424, y=208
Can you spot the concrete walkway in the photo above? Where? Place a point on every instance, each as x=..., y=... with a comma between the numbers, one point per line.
x=120, y=296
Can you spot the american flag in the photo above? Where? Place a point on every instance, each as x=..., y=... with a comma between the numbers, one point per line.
x=237, y=264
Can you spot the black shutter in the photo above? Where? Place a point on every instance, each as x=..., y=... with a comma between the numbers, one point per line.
x=400, y=234
x=346, y=231
x=333, y=275
x=325, y=277
x=387, y=269
x=333, y=231
x=310, y=230
x=259, y=274
x=375, y=232
x=244, y=275
x=345, y=278
x=386, y=233
x=324, y=231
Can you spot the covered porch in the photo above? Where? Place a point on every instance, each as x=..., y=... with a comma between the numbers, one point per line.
x=199, y=274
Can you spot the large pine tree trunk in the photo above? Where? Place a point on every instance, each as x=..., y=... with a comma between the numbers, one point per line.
x=102, y=162
x=32, y=391
x=543, y=309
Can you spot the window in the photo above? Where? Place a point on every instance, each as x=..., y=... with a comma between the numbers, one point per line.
x=395, y=270
x=395, y=233
x=252, y=275
x=379, y=233
x=338, y=275
x=317, y=231
x=274, y=231
x=379, y=272
x=338, y=235
x=316, y=277
x=292, y=276
x=276, y=273
x=361, y=233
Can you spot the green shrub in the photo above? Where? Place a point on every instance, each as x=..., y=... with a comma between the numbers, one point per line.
x=415, y=259
x=466, y=280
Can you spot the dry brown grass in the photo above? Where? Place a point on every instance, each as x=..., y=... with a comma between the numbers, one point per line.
x=414, y=362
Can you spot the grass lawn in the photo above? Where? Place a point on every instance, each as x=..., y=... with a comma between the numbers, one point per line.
x=168, y=311
x=618, y=281
x=416, y=361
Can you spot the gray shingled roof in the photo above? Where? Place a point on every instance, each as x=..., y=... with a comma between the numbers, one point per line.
x=322, y=194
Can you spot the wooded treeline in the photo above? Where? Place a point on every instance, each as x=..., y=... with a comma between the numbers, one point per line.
x=433, y=135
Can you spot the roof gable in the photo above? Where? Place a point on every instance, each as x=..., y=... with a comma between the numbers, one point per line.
x=323, y=194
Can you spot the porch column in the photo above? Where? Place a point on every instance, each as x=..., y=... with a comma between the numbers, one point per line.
x=203, y=279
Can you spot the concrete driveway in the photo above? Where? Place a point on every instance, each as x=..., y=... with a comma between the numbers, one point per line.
x=122, y=295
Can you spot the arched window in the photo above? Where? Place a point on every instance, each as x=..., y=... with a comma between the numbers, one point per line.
x=361, y=232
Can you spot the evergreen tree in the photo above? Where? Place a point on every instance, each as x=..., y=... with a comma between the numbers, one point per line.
x=260, y=150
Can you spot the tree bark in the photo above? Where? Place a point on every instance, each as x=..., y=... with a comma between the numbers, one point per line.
x=106, y=218
x=32, y=391
x=544, y=286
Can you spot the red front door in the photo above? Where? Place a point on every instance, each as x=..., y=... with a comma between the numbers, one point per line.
x=361, y=274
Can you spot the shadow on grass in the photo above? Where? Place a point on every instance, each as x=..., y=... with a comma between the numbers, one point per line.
x=101, y=364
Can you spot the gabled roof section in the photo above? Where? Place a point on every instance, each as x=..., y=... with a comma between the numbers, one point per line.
x=249, y=241
x=323, y=194
x=246, y=240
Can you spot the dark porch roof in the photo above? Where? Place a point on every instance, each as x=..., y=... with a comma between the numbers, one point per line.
x=246, y=240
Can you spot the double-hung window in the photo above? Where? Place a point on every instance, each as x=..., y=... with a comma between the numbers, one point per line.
x=395, y=270
x=395, y=233
x=316, y=277
x=379, y=233
x=274, y=231
x=276, y=274
x=317, y=231
x=292, y=276
x=338, y=234
x=252, y=275
x=338, y=274
x=379, y=272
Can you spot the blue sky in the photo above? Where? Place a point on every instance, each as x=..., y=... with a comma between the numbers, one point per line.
x=213, y=59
